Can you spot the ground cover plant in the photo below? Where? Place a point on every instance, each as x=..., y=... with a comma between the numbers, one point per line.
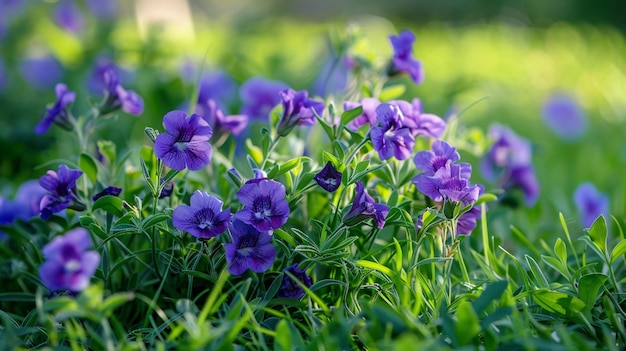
x=225, y=205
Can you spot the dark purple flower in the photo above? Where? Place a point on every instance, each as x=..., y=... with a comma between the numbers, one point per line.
x=564, y=117
x=328, y=178
x=167, y=190
x=467, y=221
x=69, y=262
x=204, y=217
x=58, y=113
x=259, y=96
x=417, y=121
x=102, y=8
x=41, y=72
x=61, y=187
x=367, y=117
x=590, y=203
x=117, y=97
x=186, y=143
x=264, y=204
x=389, y=136
x=403, y=61
x=68, y=16
x=289, y=288
x=430, y=161
x=363, y=207
x=108, y=191
x=298, y=109
x=221, y=124
x=250, y=249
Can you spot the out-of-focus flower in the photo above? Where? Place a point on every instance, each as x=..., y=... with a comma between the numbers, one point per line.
x=265, y=206
x=68, y=16
x=564, y=117
x=219, y=87
x=363, y=207
x=25, y=204
x=402, y=60
x=61, y=187
x=389, y=136
x=333, y=77
x=2, y=76
x=186, y=143
x=367, y=117
x=297, y=110
x=329, y=177
x=117, y=97
x=41, y=72
x=69, y=262
x=468, y=220
x=221, y=124
x=108, y=191
x=289, y=288
x=58, y=113
x=259, y=96
x=249, y=249
x=102, y=8
x=590, y=203
x=203, y=218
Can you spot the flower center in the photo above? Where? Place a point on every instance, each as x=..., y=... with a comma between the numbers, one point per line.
x=181, y=145
x=72, y=266
x=262, y=207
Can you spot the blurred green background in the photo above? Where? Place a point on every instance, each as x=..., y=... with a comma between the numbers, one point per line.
x=502, y=59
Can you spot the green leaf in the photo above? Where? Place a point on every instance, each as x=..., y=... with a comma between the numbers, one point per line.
x=153, y=220
x=588, y=287
x=560, y=250
x=114, y=301
x=540, y=278
x=391, y=92
x=254, y=152
x=88, y=165
x=556, y=265
x=558, y=302
x=618, y=251
x=467, y=326
x=492, y=293
x=486, y=197
x=110, y=204
x=598, y=233
x=349, y=115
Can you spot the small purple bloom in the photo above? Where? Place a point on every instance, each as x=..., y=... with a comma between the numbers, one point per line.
x=264, y=204
x=564, y=117
x=186, y=143
x=329, y=177
x=364, y=207
x=390, y=137
x=367, y=117
x=590, y=203
x=259, y=96
x=221, y=124
x=467, y=221
x=298, y=109
x=41, y=72
x=108, y=191
x=167, y=190
x=69, y=262
x=61, y=187
x=449, y=183
x=250, y=249
x=430, y=161
x=58, y=113
x=204, y=217
x=289, y=288
x=117, y=97
x=68, y=16
x=403, y=61
x=523, y=178
x=417, y=121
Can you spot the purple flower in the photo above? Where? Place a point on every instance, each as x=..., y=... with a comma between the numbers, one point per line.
x=298, y=109
x=204, y=217
x=363, y=207
x=69, y=262
x=217, y=86
x=591, y=203
x=564, y=117
x=264, y=204
x=289, y=288
x=390, y=137
x=250, y=249
x=403, y=61
x=417, y=121
x=68, y=16
x=108, y=191
x=328, y=178
x=102, y=8
x=467, y=221
x=449, y=183
x=41, y=72
x=524, y=179
x=167, y=190
x=367, y=117
x=221, y=124
x=186, y=143
x=117, y=97
x=58, y=113
x=259, y=96
x=333, y=76
x=431, y=161
x=61, y=187
x=24, y=205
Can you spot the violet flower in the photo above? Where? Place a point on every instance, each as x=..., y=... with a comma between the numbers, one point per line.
x=219, y=87
x=449, y=183
x=204, y=217
x=24, y=205
x=333, y=76
x=389, y=136
x=221, y=124
x=564, y=117
x=418, y=122
x=61, y=187
x=403, y=61
x=119, y=98
x=108, y=191
x=259, y=96
x=186, y=143
x=430, y=161
x=367, y=117
x=363, y=207
x=329, y=177
x=167, y=189
x=249, y=249
x=41, y=72
x=58, y=113
x=590, y=203
x=289, y=288
x=264, y=204
x=69, y=262
x=68, y=16
x=467, y=221
x=298, y=109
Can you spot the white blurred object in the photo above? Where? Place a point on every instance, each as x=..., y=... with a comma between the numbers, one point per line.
x=169, y=19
